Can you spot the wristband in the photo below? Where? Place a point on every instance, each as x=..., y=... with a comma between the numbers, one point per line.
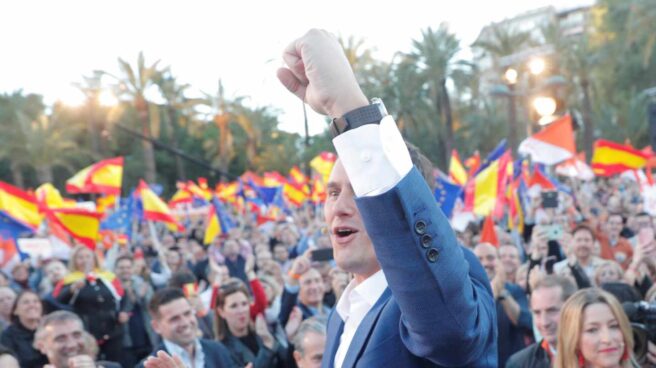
x=293, y=275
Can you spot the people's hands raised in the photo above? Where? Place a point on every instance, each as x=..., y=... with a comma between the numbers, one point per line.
x=294, y=322
x=164, y=360
x=262, y=331
x=319, y=74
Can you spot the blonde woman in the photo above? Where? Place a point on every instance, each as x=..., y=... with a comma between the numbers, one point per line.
x=95, y=295
x=594, y=332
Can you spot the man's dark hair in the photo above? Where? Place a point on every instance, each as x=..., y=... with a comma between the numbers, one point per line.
x=124, y=257
x=564, y=283
x=181, y=278
x=643, y=214
x=583, y=227
x=422, y=163
x=162, y=297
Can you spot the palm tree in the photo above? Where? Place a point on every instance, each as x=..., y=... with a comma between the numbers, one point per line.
x=134, y=86
x=176, y=106
x=434, y=53
x=504, y=40
x=31, y=139
x=224, y=114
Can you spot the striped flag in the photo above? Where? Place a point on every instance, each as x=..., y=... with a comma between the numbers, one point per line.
x=610, y=158
x=457, y=172
x=19, y=206
x=102, y=177
x=154, y=209
x=553, y=144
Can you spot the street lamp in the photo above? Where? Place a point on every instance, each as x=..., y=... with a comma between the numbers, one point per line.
x=107, y=99
x=536, y=66
x=511, y=76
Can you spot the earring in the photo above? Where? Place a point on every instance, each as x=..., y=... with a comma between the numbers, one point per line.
x=625, y=356
x=581, y=360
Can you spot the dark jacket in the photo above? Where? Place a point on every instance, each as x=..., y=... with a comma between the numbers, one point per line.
x=265, y=357
x=532, y=356
x=19, y=339
x=216, y=355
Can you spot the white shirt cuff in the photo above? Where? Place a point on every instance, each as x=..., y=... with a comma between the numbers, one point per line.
x=374, y=156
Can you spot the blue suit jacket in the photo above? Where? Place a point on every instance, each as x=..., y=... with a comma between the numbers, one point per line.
x=438, y=309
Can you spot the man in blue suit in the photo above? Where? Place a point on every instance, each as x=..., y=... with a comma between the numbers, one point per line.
x=174, y=320
x=418, y=299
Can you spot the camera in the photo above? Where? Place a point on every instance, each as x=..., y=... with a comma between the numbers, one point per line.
x=643, y=322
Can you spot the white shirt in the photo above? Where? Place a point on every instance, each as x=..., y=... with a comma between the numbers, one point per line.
x=199, y=356
x=373, y=151
x=353, y=306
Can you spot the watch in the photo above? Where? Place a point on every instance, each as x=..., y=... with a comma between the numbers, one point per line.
x=505, y=294
x=370, y=114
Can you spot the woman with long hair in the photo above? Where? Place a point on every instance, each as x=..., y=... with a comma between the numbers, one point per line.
x=594, y=332
x=19, y=336
x=95, y=295
x=247, y=342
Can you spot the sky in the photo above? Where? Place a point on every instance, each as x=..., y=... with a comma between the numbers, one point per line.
x=49, y=45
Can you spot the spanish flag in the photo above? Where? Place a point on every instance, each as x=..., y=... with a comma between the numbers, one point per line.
x=318, y=191
x=182, y=195
x=79, y=223
x=155, y=209
x=482, y=190
x=102, y=177
x=297, y=176
x=216, y=223
x=323, y=164
x=610, y=158
x=19, y=206
x=296, y=194
x=48, y=197
x=457, y=172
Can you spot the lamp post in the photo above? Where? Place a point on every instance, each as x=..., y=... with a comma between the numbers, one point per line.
x=510, y=77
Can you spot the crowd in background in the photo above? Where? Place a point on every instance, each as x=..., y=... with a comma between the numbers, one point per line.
x=264, y=294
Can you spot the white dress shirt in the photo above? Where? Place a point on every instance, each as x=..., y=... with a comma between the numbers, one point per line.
x=373, y=151
x=175, y=349
x=353, y=306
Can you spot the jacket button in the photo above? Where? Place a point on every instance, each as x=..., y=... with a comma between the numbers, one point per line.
x=420, y=227
x=426, y=240
x=432, y=255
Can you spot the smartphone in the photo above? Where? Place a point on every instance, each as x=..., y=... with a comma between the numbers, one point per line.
x=553, y=256
x=322, y=255
x=550, y=199
x=554, y=232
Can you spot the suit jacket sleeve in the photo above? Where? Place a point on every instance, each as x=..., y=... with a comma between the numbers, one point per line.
x=448, y=312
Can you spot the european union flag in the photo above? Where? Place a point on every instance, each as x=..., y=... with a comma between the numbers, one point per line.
x=121, y=219
x=446, y=194
x=10, y=228
x=266, y=194
x=225, y=221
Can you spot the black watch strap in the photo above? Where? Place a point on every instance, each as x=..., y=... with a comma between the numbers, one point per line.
x=370, y=114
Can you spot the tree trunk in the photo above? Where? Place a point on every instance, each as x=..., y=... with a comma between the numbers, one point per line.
x=179, y=166
x=44, y=174
x=448, y=118
x=17, y=175
x=512, y=121
x=588, y=126
x=149, y=152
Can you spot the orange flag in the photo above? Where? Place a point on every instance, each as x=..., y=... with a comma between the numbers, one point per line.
x=489, y=233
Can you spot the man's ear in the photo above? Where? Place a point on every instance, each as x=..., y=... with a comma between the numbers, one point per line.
x=154, y=323
x=297, y=357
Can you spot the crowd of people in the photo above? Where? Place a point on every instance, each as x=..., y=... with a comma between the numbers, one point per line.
x=403, y=288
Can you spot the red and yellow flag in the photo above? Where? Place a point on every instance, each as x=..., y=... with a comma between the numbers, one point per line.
x=297, y=176
x=19, y=205
x=48, y=197
x=155, y=209
x=102, y=177
x=79, y=223
x=296, y=194
x=610, y=158
x=323, y=164
x=457, y=172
